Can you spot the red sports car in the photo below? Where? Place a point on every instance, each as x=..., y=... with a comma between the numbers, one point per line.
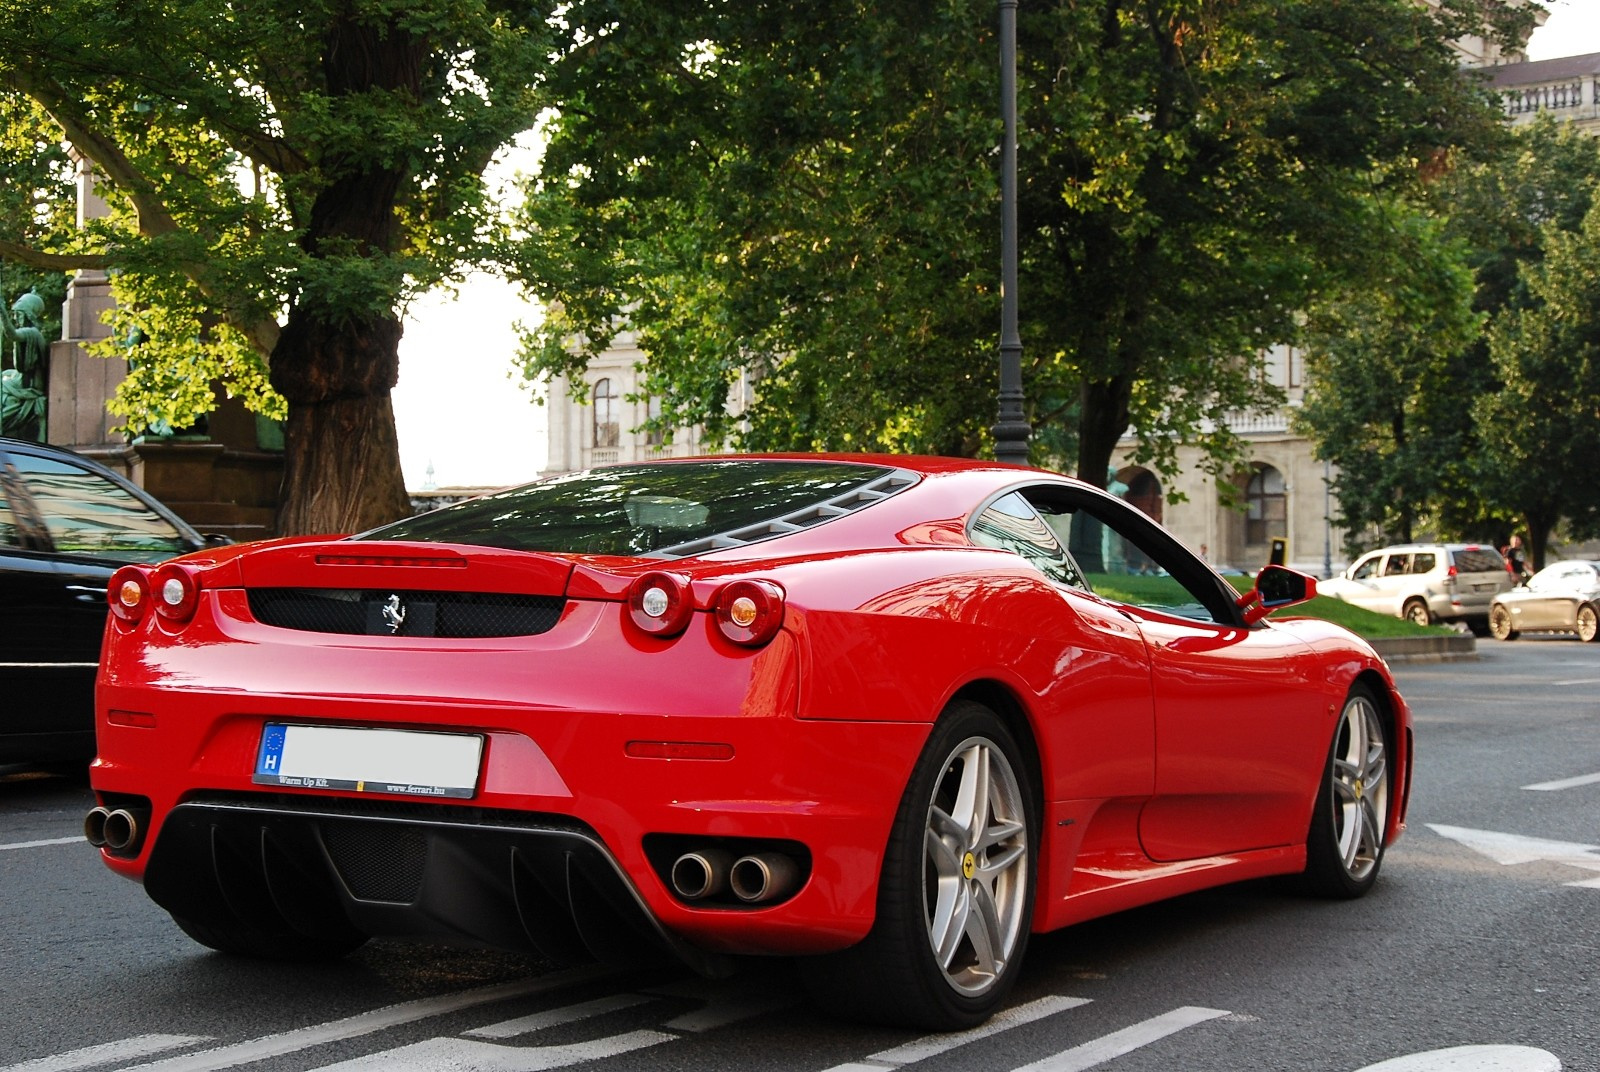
x=888, y=714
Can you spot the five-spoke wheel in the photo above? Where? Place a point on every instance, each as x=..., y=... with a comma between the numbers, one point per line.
x=1344, y=848
x=1416, y=611
x=955, y=902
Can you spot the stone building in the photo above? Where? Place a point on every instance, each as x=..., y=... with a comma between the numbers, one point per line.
x=609, y=426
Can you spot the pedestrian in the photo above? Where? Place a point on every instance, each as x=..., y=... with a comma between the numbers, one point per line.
x=1516, y=561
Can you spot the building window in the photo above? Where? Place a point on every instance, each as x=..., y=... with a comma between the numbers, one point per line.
x=1267, y=506
x=654, y=436
x=606, y=431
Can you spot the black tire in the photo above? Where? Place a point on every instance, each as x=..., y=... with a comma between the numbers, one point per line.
x=1500, y=624
x=951, y=872
x=259, y=943
x=1344, y=847
x=1588, y=623
x=1416, y=610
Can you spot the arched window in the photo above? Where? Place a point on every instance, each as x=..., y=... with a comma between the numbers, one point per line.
x=606, y=431
x=1267, y=506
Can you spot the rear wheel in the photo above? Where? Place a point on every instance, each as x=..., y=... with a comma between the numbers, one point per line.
x=1344, y=848
x=1416, y=610
x=1588, y=623
x=1500, y=623
x=955, y=901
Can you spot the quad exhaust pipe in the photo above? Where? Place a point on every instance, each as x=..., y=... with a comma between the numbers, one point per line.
x=763, y=876
x=755, y=878
x=697, y=875
x=117, y=829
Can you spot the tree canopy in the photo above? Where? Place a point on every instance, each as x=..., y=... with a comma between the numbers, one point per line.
x=806, y=193
x=282, y=178
x=1472, y=421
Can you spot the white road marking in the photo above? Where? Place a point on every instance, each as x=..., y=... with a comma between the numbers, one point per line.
x=1578, y=681
x=722, y=1013
x=41, y=844
x=130, y=1049
x=567, y=1014
x=367, y=1023
x=467, y=1055
x=1472, y=1059
x=1564, y=783
x=931, y=1045
x=1127, y=1040
x=1512, y=849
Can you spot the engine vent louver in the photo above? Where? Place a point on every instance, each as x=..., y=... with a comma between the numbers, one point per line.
x=376, y=612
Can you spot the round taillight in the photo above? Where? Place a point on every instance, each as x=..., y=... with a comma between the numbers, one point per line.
x=176, y=592
x=661, y=603
x=128, y=592
x=750, y=612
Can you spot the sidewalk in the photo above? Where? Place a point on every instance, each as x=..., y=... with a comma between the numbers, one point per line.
x=1426, y=649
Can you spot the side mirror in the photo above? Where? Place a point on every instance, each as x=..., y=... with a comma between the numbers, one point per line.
x=1276, y=586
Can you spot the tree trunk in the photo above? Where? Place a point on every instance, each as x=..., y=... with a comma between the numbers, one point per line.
x=337, y=359
x=1103, y=419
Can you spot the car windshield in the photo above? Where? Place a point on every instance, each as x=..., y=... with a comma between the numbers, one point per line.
x=665, y=509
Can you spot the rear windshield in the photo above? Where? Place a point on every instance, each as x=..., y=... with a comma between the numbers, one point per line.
x=668, y=510
x=1479, y=560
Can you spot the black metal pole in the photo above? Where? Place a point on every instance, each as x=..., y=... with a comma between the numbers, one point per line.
x=1011, y=429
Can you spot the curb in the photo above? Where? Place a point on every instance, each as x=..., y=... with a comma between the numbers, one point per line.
x=1426, y=649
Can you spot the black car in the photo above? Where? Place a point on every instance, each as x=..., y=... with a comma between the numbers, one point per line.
x=66, y=523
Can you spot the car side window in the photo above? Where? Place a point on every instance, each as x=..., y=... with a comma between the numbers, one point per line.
x=1011, y=523
x=1397, y=565
x=1367, y=568
x=1123, y=556
x=88, y=515
x=1422, y=562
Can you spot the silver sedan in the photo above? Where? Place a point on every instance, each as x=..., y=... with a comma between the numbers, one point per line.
x=1563, y=598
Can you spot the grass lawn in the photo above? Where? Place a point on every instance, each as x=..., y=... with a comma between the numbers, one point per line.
x=1131, y=588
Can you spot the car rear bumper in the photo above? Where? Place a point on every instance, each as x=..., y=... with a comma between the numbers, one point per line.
x=568, y=814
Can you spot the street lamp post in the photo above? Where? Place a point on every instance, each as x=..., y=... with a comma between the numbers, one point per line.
x=1011, y=429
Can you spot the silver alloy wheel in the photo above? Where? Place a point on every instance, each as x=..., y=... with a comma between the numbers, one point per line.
x=1500, y=623
x=975, y=866
x=1588, y=623
x=1360, y=784
x=1417, y=611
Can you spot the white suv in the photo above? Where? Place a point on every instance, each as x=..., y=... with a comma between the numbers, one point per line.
x=1426, y=582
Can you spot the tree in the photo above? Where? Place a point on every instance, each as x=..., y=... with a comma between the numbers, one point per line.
x=282, y=178
x=1388, y=367
x=1542, y=427
x=805, y=193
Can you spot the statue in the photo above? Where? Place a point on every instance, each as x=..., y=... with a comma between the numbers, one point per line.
x=23, y=386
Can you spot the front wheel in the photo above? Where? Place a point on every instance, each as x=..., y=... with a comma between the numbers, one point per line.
x=1500, y=624
x=1344, y=847
x=1588, y=622
x=1416, y=611
x=955, y=900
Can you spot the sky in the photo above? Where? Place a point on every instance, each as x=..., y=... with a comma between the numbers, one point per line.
x=461, y=409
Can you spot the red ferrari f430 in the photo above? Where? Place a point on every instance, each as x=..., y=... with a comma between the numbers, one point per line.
x=887, y=715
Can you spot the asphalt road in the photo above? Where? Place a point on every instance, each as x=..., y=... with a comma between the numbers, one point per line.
x=1481, y=938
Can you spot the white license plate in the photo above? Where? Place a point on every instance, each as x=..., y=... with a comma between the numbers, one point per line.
x=407, y=762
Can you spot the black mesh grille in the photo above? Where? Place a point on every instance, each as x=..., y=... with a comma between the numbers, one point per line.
x=413, y=614
x=377, y=862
